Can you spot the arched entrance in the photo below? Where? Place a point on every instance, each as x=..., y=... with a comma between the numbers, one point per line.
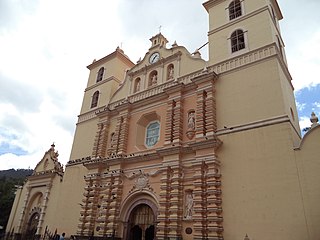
x=32, y=226
x=141, y=223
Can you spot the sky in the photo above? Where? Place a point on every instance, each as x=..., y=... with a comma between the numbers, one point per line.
x=45, y=46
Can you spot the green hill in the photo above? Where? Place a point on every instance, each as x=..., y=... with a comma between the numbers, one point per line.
x=9, y=179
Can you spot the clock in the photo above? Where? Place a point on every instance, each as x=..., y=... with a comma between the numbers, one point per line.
x=154, y=57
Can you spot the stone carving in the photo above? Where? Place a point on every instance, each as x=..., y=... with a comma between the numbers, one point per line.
x=141, y=182
x=314, y=120
x=137, y=86
x=191, y=125
x=189, y=205
x=171, y=73
x=191, y=121
x=154, y=80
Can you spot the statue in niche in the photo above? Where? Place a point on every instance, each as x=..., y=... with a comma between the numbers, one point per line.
x=189, y=205
x=137, y=86
x=171, y=73
x=113, y=135
x=154, y=80
x=191, y=121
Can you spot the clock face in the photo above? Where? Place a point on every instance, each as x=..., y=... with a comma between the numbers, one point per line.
x=154, y=57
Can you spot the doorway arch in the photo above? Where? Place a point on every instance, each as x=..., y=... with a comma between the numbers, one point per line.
x=141, y=224
x=144, y=206
x=32, y=226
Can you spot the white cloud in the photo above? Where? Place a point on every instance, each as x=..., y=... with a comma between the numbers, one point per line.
x=304, y=63
x=300, y=106
x=316, y=106
x=304, y=122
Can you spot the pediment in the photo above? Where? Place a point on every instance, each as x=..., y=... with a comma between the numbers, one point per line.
x=49, y=163
x=159, y=66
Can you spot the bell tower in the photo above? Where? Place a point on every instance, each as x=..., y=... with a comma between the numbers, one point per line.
x=246, y=50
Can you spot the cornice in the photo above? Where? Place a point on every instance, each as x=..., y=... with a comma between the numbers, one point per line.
x=117, y=53
x=212, y=142
x=253, y=125
x=90, y=115
x=102, y=82
x=250, y=58
x=277, y=9
x=204, y=77
x=49, y=174
x=209, y=4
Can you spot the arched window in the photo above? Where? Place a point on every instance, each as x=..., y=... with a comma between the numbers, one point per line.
x=237, y=40
x=153, y=132
x=100, y=74
x=235, y=9
x=95, y=99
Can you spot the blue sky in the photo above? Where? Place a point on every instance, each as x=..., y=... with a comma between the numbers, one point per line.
x=46, y=45
x=308, y=100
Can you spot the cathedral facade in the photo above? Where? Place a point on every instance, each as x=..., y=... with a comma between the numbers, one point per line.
x=176, y=147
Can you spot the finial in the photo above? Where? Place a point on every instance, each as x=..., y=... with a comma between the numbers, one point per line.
x=52, y=145
x=246, y=237
x=160, y=28
x=314, y=119
x=205, y=69
x=118, y=49
x=196, y=53
x=175, y=44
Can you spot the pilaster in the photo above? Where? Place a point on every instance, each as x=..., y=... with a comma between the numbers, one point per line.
x=207, y=199
x=101, y=140
x=164, y=202
x=23, y=210
x=44, y=207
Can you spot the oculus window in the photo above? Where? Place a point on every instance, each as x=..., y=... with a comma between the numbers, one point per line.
x=152, y=133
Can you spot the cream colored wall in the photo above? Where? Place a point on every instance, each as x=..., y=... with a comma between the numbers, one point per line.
x=257, y=34
x=308, y=164
x=289, y=102
x=260, y=185
x=71, y=195
x=106, y=90
x=219, y=14
x=51, y=217
x=84, y=139
x=16, y=209
x=122, y=91
x=249, y=95
x=114, y=67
